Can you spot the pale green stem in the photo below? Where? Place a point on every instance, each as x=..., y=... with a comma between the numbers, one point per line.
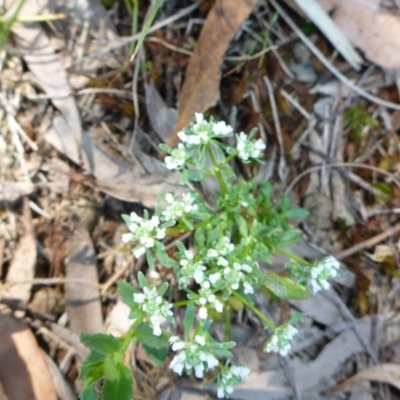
x=217, y=172
x=294, y=257
x=254, y=309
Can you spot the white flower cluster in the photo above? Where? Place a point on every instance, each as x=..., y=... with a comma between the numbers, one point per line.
x=317, y=276
x=193, y=355
x=221, y=250
x=154, y=306
x=177, y=209
x=202, y=131
x=207, y=297
x=144, y=231
x=280, y=341
x=229, y=377
x=177, y=158
x=234, y=275
x=248, y=148
x=190, y=270
x=326, y=269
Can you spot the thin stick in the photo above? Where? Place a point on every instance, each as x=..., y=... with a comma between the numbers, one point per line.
x=328, y=64
x=369, y=242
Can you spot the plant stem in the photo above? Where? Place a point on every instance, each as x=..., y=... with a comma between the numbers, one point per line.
x=217, y=172
x=294, y=257
x=227, y=324
x=181, y=303
x=129, y=336
x=254, y=309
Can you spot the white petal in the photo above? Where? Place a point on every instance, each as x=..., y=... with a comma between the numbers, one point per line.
x=203, y=313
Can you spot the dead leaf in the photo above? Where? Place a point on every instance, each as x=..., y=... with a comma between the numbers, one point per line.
x=82, y=301
x=116, y=177
x=12, y=191
x=201, y=87
x=46, y=65
x=22, y=266
x=162, y=118
x=381, y=252
x=23, y=371
x=376, y=34
x=385, y=373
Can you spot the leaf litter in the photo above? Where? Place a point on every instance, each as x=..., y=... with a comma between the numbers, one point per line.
x=64, y=149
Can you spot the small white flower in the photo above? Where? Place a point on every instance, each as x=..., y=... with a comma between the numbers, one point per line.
x=199, y=118
x=222, y=129
x=177, y=209
x=280, y=341
x=229, y=378
x=177, y=158
x=326, y=269
x=203, y=313
x=199, y=339
x=249, y=148
x=241, y=371
x=214, y=277
x=176, y=343
x=211, y=253
x=193, y=355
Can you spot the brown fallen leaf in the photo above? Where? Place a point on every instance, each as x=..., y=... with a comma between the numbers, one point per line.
x=385, y=373
x=23, y=371
x=114, y=176
x=201, y=87
x=377, y=34
x=22, y=267
x=82, y=301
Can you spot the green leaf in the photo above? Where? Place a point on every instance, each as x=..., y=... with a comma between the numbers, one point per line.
x=164, y=147
x=88, y=393
x=184, y=177
x=126, y=291
x=296, y=213
x=196, y=176
x=150, y=260
x=164, y=259
x=120, y=389
x=213, y=236
x=285, y=288
x=296, y=318
x=163, y=289
x=190, y=314
x=142, y=280
x=199, y=238
x=126, y=218
x=100, y=342
x=144, y=334
x=188, y=224
x=92, y=366
x=156, y=355
x=242, y=224
x=111, y=371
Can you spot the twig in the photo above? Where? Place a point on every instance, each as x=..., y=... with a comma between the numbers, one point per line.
x=369, y=242
x=346, y=314
x=328, y=64
x=134, y=38
x=288, y=371
x=282, y=160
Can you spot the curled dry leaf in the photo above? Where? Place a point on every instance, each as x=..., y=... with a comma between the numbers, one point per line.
x=114, y=176
x=385, y=373
x=23, y=371
x=201, y=87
